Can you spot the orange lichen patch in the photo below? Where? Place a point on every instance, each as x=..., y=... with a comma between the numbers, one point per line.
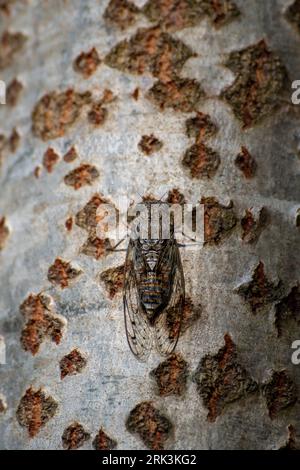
x=96, y=247
x=98, y=112
x=13, y=92
x=71, y=155
x=113, y=279
x=288, y=310
x=253, y=224
x=221, y=380
x=246, y=163
x=103, y=442
x=50, y=159
x=69, y=224
x=260, y=292
x=280, y=393
x=150, y=50
x=4, y=232
x=175, y=15
x=292, y=14
x=260, y=81
x=135, y=94
x=200, y=127
x=171, y=375
x=201, y=160
x=41, y=323
x=180, y=94
x=177, y=321
x=61, y=273
x=219, y=220
x=175, y=197
x=10, y=45
x=292, y=441
x=74, y=436
x=83, y=175
x=150, y=424
x=87, y=63
x=72, y=363
x=149, y=144
x=55, y=112
x=121, y=13
x=35, y=410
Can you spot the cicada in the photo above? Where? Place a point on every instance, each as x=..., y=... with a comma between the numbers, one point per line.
x=153, y=294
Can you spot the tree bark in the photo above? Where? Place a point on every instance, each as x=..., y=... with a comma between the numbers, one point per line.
x=187, y=99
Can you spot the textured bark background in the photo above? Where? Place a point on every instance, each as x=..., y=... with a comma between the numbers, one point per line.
x=70, y=379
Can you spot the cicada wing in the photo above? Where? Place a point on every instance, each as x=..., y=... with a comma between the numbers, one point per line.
x=137, y=327
x=168, y=324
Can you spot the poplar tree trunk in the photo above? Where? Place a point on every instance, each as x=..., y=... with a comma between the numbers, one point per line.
x=195, y=104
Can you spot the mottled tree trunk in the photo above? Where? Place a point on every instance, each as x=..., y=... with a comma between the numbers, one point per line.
x=191, y=99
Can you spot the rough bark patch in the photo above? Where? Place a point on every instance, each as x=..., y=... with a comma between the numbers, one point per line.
x=96, y=247
x=74, y=436
x=292, y=14
x=260, y=292
x=280, y=393
x=246, y=163
x=175, y=197
x=219, y=220
x=288, y=309
x=260, y=80
x=4, y=232
x=41, y=322
x=70, y=155
x=35, y=410
x=150, y=144
x=10, y=45
x=61, y=273
x=292, y=442
x=72, y=363
x=171, y=376
x=190, y=314
x=150, y=50
x=13, y=92
x=201, y=160
x=103, y=442
x=121, y=13
x=87, y=63
x=98, y=112
x=113, y=279
x=175, y=15
x=200, y=127
x=69, y=224
x=50, y=159
x=253, y=224
x=150, y=425
x=221, y=380
x=180, y=94
x=56, y=112
x=83, y=175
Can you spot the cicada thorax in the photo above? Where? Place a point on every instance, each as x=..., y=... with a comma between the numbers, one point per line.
x=154, y=277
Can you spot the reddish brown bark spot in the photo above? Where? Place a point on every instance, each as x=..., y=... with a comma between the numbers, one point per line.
x=182, y=320
x=74, y=436
x=280, y=393
x=103, y=442
x=150, y=425
x=98, y=112
x=71, y=155
x=50, y=159
x=175, y=197
x=83, y=175
x=288, y=310
x=121, y=13
x=41, y=322
x=219, y=220
x=260, y=292
x=221, y=380
x=180, y=94
x=113, y=279
x=61, y=273
x=56, y=112
x=13, y=92
x=69, y=224
x=201, y=160
x=10, y=45
x=72, y=363
x=260, y=80
x=150, y=144
x=200, y=127
x=96, y=247
x=37, y=171
x=87, y=63
x=9, y=144
x=4, y=232
x=171, y=375
x=136, y=93
x=246, y=163
x=253, y=224
x=35, y=410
